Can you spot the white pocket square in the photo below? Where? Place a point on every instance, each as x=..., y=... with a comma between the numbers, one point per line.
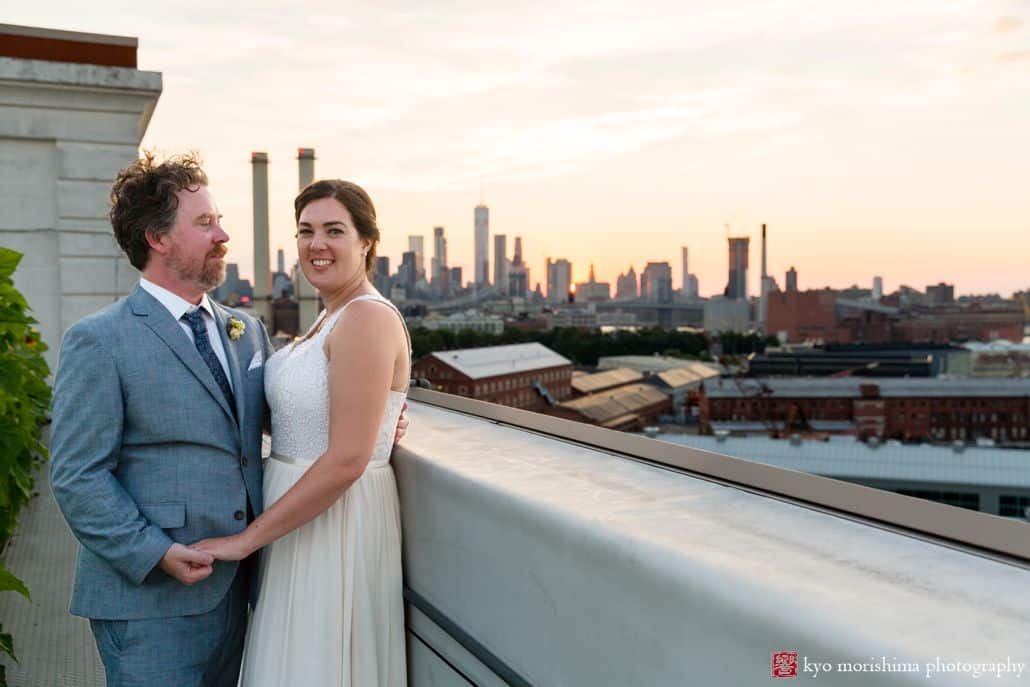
x=256, y=361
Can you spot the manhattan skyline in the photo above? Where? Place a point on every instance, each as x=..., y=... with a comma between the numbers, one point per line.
x=882, y=139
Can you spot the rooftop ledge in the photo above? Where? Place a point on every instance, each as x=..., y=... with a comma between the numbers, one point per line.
x=536, y=560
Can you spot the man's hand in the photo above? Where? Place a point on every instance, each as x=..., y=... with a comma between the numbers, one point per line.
x=186, y=565
x=402, y=425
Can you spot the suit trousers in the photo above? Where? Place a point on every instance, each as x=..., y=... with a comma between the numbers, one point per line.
x=202, y=650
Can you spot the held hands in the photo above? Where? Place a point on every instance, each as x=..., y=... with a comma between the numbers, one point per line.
x=232, y=548
x=186, y=565
x=402, y=425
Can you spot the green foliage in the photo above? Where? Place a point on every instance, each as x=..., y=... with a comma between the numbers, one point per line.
x=582, y=346
x=24, y=403
x=736, y=343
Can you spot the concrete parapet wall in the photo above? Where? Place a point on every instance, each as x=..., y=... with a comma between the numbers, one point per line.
x=573, y=566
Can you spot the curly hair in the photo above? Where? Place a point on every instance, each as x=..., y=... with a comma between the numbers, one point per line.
x=358, y=204
x=143, y=199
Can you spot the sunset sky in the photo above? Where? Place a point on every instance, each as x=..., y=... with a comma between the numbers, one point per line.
x=874, y=138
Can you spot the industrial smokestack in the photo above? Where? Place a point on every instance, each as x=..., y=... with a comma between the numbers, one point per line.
x=305, y=294
x=764, y=273
x=262, y=290
x=306, y=165
x=763, y=289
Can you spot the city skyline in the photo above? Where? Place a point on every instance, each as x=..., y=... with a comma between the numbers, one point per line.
x=864, y=136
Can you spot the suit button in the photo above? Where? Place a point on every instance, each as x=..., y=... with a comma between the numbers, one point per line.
x=239, y=515
x=243, y=461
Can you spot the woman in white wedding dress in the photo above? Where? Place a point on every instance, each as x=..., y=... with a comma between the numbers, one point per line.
x=330, y=610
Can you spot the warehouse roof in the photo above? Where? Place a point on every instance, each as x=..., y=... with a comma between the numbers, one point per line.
x=689, y=375
x=493, y=361
x=607, y=407
x=849, y=459
x=588, y=384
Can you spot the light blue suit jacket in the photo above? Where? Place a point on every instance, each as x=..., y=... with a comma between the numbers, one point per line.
x=145, y=451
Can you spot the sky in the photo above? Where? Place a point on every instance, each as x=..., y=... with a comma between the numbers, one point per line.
x=874, y=138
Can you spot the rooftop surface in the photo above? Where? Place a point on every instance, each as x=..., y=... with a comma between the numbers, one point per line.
x=849, y=459
x=606, y=406
x=492, y=361
x=590, y=383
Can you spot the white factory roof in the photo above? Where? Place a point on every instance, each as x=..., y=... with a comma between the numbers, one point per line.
x=850, y=387
x=849, y=459
x=491, y=361
x=997, y=346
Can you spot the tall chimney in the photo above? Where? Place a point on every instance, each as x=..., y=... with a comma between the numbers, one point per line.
x=306, y=165
x=305, y=294
x=262, y=290
x=763, y=288
x=764, y=273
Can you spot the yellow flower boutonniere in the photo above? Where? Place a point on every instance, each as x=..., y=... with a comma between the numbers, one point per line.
x=235, y=328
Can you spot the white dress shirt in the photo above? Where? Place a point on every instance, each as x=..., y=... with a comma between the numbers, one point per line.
x=179, y=306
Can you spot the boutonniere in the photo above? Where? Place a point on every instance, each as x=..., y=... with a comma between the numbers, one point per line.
x=235, y=328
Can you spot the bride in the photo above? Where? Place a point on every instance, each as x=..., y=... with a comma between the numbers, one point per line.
x=330, y=610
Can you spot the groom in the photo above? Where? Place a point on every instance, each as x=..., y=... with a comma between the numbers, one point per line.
x=156, y=441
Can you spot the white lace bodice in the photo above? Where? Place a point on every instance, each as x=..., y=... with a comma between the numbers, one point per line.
x=297, y=391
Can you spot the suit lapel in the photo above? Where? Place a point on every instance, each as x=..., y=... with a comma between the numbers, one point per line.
x=157, y=318
x=232, y=357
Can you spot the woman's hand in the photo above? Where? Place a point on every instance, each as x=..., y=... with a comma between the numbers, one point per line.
x=234, y=548
x=402, y=425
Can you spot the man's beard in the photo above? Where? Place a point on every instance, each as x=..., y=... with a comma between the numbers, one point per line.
x=206, y=274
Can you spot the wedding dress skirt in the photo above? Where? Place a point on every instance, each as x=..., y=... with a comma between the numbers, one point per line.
x=330, y=610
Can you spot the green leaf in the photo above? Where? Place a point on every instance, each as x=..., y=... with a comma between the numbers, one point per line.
x=10, y=583
x=9, y=260
x=7, y=647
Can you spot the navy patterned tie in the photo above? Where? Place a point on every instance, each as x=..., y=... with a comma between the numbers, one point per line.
x=195, y=319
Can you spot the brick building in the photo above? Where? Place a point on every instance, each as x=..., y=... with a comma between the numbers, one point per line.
x=826, y=316
x=941, y=325
x=935, y=409
x=529, y=376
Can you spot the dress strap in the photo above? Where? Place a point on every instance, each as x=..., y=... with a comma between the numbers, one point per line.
x=369, y=297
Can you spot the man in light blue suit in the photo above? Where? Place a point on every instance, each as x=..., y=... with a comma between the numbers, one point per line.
x=156, y=442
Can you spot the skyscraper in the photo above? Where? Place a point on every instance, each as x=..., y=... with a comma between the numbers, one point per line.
x=593, y=291
x=656, y=283
x=407, y=273
x=626, y=286
x=501, y=263
x=381, y=278
x=559, y=279
x=416, y=244
x=877, y=288
x=686, y=270
x=280, y=259
x=439, y=266
x=482, y=271
x=792, y=280
x=518, y=273
x=736, y=287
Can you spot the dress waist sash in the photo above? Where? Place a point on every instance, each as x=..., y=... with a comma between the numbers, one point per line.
x=307, y=463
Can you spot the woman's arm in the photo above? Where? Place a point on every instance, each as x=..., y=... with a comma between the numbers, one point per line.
x=363, y=349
